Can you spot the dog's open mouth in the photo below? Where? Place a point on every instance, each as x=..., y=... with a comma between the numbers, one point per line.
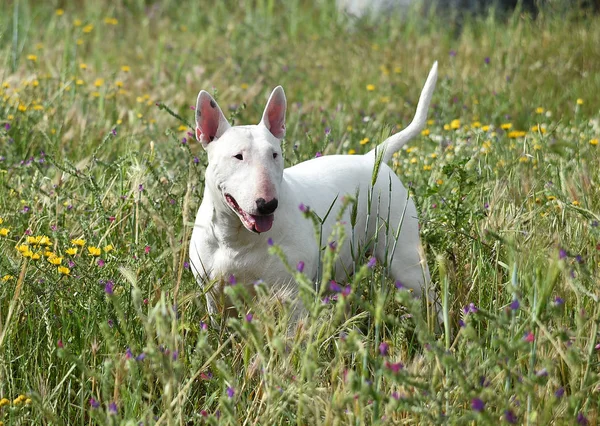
x=254, y=223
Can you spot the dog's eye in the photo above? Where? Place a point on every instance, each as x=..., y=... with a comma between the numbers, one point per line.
x=275, y=155
x=239, y=156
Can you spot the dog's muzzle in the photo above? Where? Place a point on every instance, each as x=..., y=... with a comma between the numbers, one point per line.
x=256, y=223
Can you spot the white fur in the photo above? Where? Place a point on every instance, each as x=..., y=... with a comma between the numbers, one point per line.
x=222, y=246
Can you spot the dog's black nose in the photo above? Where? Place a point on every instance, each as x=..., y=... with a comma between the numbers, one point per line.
x=266, y=208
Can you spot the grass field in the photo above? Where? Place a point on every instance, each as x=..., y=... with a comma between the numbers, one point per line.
x=101, y=321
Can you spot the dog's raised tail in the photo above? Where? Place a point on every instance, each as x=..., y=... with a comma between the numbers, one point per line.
x=396, y=141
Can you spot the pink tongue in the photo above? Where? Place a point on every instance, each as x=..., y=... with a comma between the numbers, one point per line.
x=263, y=223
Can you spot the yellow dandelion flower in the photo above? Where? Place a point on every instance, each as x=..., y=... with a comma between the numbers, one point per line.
x=88, y=28
x=455, y=124
x=6, y=278
x=430, y=122
x=364, y=141
x=110, y=21
x=27, y=253
x=48, y=253
x=77, y=22
x=78, y=242
x=79, y=82
x=476, y=124
x=349, y=128
x=108, y=248
x=79, y=42
x=83, y=66
x=28, y=401
x=425, y=132
x=95, y=94
x=94, y=251
x=1, y=221
x=4, y=232
x=99, y=82
x=427, y=167
x=523, y=159
x=55, y=260
x=506, y=126
x=244, y=86
x=439, y=181
x=516, y=134
x=119, y=83
x=594, y=142
x=22, y=108
x=64, y=270
x=352, y=152
x=575, y=202
x=370, y=87
x=397, y=70
x=59, y=12
x=71, y=251
x=182, y=128
x=38, y=108
x=485, y=128
x=32, y=58
x=125, y=68
x=537, y=147
x=446, y=127
x=433, y=155
x=35, y=256
x=414, y=160
x=579, y=101
x=540, y=110
x=22, y=248
x=384, y=99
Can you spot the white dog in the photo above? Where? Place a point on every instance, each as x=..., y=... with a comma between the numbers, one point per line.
x=249, y=199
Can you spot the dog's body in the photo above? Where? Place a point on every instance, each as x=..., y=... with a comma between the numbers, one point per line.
x=249, y=198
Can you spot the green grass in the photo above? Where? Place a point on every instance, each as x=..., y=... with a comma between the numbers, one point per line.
x=87, y=154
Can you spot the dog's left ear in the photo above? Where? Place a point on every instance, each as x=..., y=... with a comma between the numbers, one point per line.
x=274, y=116
x=210, y=121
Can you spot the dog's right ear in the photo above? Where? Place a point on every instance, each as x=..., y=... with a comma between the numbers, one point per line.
x=210, y=121
x=274, y=115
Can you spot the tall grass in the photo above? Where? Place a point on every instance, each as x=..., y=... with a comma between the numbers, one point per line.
x=101, y=320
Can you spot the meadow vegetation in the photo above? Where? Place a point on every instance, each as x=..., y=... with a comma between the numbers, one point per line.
x=101, y=321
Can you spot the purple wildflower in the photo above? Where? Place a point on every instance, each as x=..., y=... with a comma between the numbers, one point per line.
x=399, y=285
x=128, y=353
x=100, y=263
x=141, y=187
x=470, y=308
x=270, y=241
x=559, y=393
x=487, y=60
x=558, y=301
x=249, y=317
x=7, y=126
x=186, y=265
x=453, y=53
x=110, y=323
x=232, y=280
x=114, y=131
x=300, y=266
x=384, y=348
x=582, y=420
x=510, y=417
x=372, y=262
x=203, y=326
x=562, y=253
x=542, y=373
x=394, y=366
x=303, y=208
x=183, y=141
x=514, y=305
x=230, y=392
x=335, y=287
x=477, y=405
x=94, y=403
x=346, y=290
x=109, y=287
x=112, y=408
x=529, y=337
x=318, y=154
x=332, y=245
x=141, y=357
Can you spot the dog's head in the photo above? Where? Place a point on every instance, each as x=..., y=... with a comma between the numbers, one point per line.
x=245, y=166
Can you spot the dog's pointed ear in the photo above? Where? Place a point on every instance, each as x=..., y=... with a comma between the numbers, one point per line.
x=210, y=121
x=274, y=116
